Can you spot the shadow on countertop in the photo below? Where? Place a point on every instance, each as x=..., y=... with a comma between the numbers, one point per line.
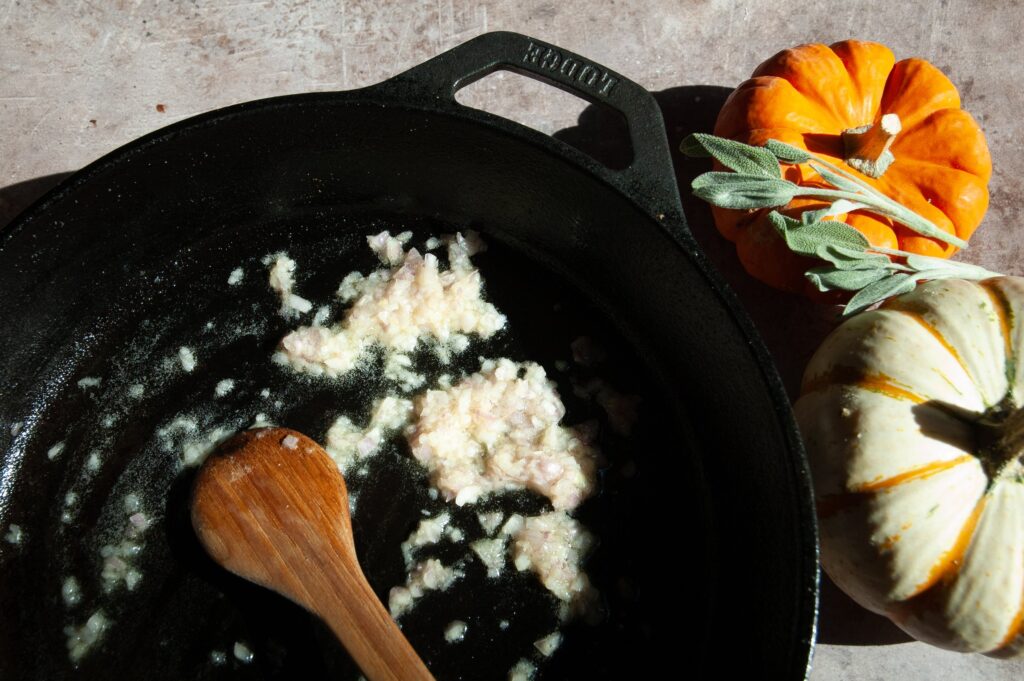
x=792, y=327
x=843, y=622
x=15, y=198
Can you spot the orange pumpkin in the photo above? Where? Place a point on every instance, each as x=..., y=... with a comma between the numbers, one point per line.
x=831, y=101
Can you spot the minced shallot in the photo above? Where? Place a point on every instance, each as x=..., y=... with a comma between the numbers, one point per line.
x=553, y=546
x=348, y=444
x=498, y=430
x=282, y=279
x=430, y=575
x=397, y=307
x=429, y=531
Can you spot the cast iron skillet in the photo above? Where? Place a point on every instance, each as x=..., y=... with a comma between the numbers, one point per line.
x=707, y=561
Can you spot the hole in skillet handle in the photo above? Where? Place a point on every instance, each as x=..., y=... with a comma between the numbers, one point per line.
x=648, y=178
x=527, y=101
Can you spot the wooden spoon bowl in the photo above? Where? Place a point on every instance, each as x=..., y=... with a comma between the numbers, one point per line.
x=271, y=506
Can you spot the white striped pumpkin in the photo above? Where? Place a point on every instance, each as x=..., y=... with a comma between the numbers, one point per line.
x=913, y=423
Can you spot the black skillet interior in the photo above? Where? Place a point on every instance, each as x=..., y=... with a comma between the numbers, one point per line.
x=707, y=558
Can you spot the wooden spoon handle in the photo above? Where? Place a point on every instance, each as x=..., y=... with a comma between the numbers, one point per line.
x=376, y=644
x=272, y=507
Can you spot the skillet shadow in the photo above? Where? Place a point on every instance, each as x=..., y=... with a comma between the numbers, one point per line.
x=17, y=197
x=791, y=326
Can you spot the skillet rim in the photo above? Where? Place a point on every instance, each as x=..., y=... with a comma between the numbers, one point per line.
x=667, y=215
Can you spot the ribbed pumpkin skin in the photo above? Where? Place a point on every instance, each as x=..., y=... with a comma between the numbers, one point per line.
x=912, y=525
x=807, y=96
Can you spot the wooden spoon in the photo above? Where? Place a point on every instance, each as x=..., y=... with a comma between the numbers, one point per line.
x=271, y=506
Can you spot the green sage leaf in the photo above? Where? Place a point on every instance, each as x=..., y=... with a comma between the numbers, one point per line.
x=811, y=216
x=742, y=158
x=892, y=285
x=829, y=279
x=810, y=239
x=691, y=146
x=838, y=207
x=837, y=180
x=787, y=153
x=782, y=223
x=949, y=273
x=922, y=263
x=857, y=252
x=925, y=263
x=742, y=191
x=973, y=274
x=852, y=259
x=940, y=268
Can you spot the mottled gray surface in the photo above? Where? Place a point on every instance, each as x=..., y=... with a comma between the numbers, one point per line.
x=78, y=79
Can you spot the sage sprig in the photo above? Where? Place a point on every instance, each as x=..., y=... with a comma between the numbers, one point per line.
x=853, y=264
x=755, y=185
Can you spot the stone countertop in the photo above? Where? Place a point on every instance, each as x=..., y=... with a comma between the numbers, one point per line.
x=79, y=79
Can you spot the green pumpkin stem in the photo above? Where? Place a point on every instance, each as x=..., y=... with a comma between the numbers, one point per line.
x=1001, y=439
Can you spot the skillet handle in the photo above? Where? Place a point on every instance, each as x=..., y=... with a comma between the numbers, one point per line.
x=649, y=177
